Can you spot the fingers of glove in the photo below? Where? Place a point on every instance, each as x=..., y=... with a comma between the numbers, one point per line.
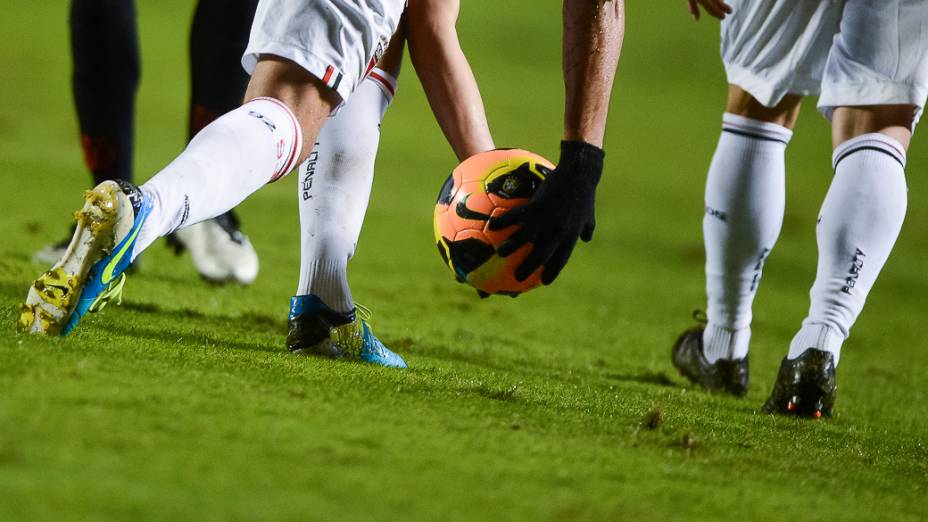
x=557, y=262
x=512, y=217
x=515, y=241
x=587, y=233
x=540, y=253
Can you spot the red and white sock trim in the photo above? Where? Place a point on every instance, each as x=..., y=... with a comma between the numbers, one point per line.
x=384, y=80
x=287, y=130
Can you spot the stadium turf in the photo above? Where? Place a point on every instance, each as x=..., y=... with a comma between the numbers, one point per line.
x=562, y=404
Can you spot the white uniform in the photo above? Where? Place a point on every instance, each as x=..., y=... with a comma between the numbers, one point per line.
x=337, y=41
x=850, y=52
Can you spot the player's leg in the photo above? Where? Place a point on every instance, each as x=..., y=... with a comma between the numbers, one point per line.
x=105, y=58
x=228, y=160
x=333, y=192
x=287, y=102
x=874, y=88
x=299, y=75
x=218, y=247
x=744, y=203
x=241, y=151
x=745, y=187
x=105, y=55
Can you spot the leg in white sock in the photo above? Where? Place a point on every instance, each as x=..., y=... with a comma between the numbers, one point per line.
x=225, y=162
x=242, y=151
x=334, y=188
x=857, y=228
x=744, y=201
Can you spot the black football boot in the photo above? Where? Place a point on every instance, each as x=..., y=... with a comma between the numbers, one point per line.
x=730, y=376
x=805, y=386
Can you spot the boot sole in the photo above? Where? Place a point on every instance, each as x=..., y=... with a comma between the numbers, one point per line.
x=53, y=295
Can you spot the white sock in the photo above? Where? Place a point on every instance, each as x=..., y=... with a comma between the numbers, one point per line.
x=857, y=227
x=224, y=163
x=335, y=185
x=745, y=198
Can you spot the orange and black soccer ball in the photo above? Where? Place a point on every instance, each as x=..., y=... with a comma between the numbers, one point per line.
x=483, y=186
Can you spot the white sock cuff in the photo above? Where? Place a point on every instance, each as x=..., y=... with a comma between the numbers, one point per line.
x=281, y=121
x=725, y=343
x=327, y=279
x=875, y=142
x=757, y=129
x=819, y=336
x=385, y=81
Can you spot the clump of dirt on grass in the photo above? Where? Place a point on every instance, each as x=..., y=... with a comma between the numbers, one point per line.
x=654, y=419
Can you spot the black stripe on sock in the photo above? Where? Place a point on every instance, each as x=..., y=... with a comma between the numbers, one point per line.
x=755, y=136
x=868, y=147
x=338, y=80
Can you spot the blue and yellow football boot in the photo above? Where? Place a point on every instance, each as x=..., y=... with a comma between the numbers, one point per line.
x=316, y=329
x=91, y=272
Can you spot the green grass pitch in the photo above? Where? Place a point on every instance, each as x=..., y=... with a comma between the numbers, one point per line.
x=562, y=404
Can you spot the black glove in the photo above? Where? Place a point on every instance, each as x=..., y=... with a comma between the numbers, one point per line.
x=560, y=211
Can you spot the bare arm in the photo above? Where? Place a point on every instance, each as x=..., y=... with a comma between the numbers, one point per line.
x=593, y=34
x=446, y=75
x=562, y=210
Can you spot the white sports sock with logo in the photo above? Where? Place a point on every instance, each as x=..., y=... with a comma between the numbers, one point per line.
x=745, y=199
x=334, y=188
x=224, y=163
x=857, y=228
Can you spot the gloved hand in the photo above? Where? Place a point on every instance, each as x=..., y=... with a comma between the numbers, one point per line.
x=560, y=211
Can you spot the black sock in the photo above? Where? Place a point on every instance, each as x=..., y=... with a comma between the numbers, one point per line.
x=105, y=51
x=217, y=40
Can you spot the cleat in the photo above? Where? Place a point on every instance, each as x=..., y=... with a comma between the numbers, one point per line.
x=221, y=252
x=730, y=376
x=805, y=386
x=50, y=254
x=316, y=329
x=90, y=273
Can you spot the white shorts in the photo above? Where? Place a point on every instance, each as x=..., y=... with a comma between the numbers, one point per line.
x=337, y=41
x=850, y=52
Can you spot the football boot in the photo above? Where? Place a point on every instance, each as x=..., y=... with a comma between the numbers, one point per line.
x=316, y=329
x=221, y=252
x=90, y=273
x=805, y=386
x=51, y=253
x=730, y=376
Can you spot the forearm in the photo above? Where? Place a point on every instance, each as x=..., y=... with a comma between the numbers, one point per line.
x=451, y=89
x=593, y=33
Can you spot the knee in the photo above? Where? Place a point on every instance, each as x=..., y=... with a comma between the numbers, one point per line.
x=306, y=95
x=784, y=113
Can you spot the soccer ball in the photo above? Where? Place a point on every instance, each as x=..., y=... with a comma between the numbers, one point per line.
x=484, y=186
